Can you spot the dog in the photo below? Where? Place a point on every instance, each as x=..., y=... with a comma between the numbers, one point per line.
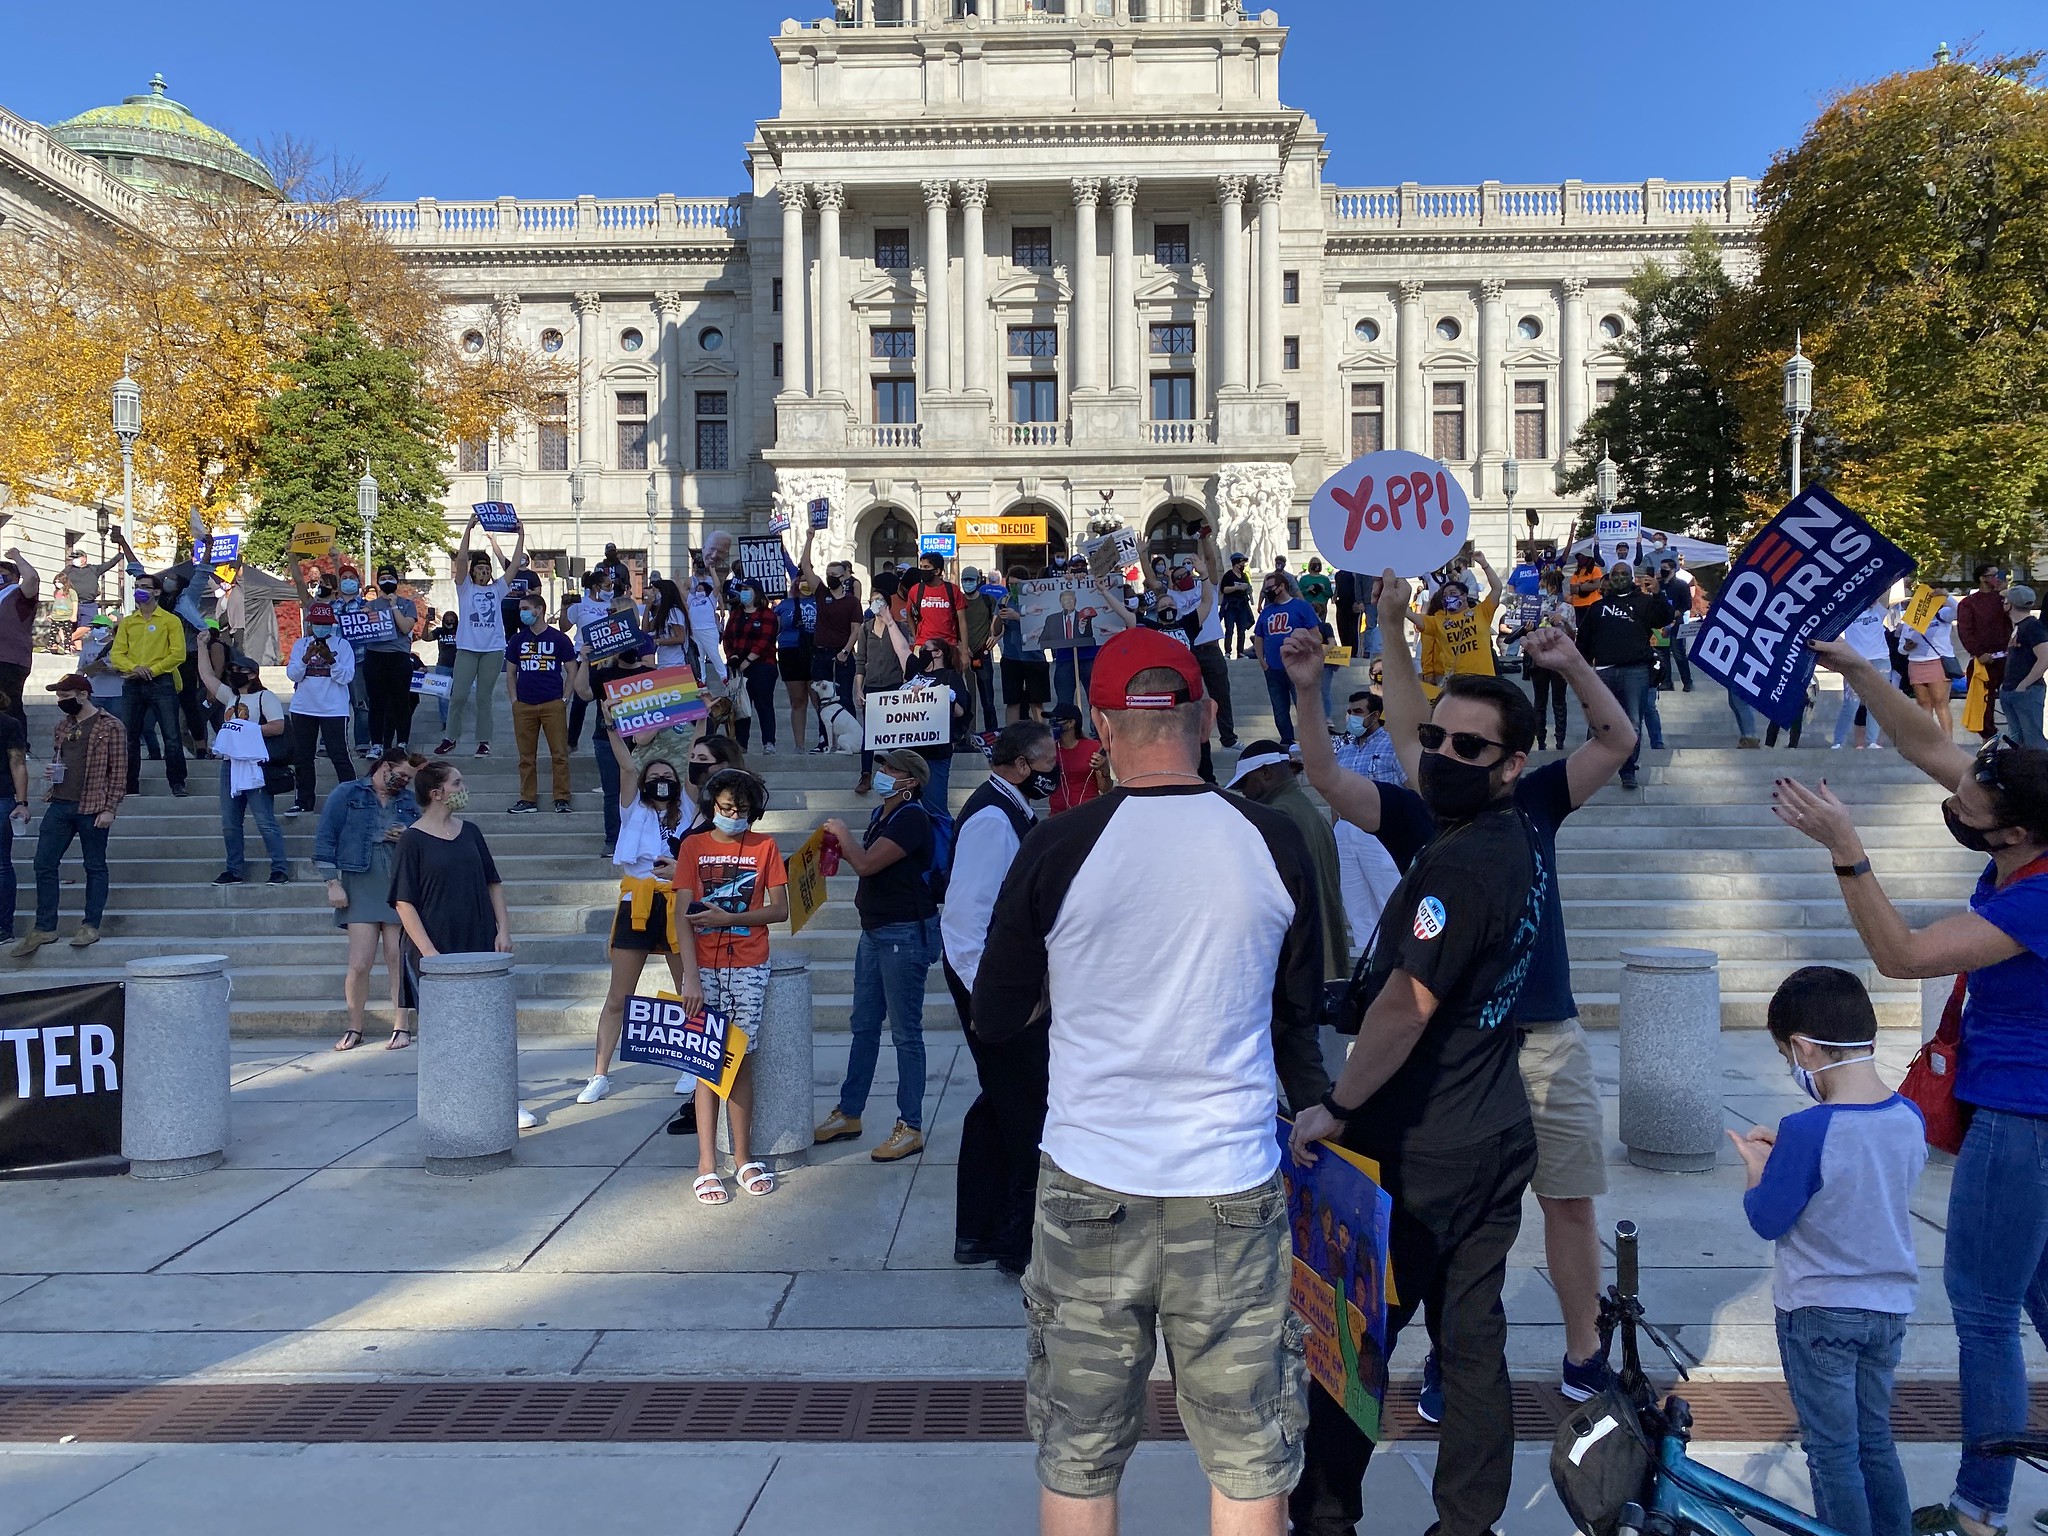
x=836, y=719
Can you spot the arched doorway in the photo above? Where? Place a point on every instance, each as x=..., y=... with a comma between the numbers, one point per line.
x=1035, y=557
x=1171, y=531
x=894, y=539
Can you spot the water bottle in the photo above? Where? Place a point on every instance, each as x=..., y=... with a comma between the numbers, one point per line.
x=828, y=856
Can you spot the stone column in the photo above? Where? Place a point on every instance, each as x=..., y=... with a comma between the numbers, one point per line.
x=1123, y=327
x=1571, y=363
x=1233, y=281
x=831, y=198
x=1492, y=385
x=586, y=306
x=781, y=1060
x=795, y=375
x=1084, y=339
x=1411, y=411
x=670, y=307
x=938, y=308
x=973, y=288
x=175, y=1066
x=1671, y=1058
x=468, y=1063
x=1271, y=375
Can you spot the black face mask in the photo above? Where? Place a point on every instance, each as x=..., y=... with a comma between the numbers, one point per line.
x=71, y=706
x=239, y=681
x=1454, y=790
x=699, y=772
x=1039, y=785
x=387, y=586
x=1976, y=839
x=663, y=790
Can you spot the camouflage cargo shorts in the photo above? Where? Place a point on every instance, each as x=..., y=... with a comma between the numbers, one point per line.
x=1212, y=1273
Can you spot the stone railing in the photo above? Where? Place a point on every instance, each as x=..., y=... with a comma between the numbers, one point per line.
x=1030, y=434
x=30, y=146
x=908, y=434
x=1562, y=205
x=893, y=14
x=547, y=221
x=1180, y=434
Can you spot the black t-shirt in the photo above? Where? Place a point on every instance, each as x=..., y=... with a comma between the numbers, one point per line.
x=898, y=894
x=1615, y=631
x=2026, y=634
x=1463, y=922
x=13, y=739
x=1184, y=627
x=448, y=880
x=939, y=677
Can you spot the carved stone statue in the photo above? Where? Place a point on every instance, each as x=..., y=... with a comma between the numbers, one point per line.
x=1252, y=501
x=795, y=490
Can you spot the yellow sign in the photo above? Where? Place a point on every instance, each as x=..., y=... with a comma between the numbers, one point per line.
x=1001, y=530
x=312, y=540
x=1922, y=606
x=1336, y=655
x=806, y=881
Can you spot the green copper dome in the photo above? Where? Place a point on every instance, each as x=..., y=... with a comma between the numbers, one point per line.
x=157, y=145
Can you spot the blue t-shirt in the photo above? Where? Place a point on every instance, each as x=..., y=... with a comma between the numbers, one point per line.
x=1525, y=579
x=1279, y=621
x=1545, y=797
x=2003, y=1063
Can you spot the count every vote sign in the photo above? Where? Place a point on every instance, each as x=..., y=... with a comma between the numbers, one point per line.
x=1809, y=571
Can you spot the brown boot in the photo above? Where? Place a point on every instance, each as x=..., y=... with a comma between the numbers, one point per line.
x=32, y=941
x=901, y=1142
x=837, y=1127
x=865, y=783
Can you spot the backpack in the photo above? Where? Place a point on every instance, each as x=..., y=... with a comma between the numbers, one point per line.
x=938, y=874
x=1600, y=1460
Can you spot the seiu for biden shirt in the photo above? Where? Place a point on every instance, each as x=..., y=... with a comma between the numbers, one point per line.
x=540, y=663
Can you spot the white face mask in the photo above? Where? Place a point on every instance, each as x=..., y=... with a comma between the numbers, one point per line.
x=1807, y=1077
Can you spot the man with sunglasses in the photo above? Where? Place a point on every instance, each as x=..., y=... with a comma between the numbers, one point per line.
x=1449, y=1246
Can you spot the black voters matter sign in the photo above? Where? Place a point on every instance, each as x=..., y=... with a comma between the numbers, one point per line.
x=60, y=1082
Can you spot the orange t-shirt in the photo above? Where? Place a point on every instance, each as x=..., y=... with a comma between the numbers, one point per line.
x=735, y=877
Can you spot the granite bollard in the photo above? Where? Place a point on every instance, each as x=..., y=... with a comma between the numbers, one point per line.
x=1671, y=1058
x=468, y=1063
x=175, y=1068
x=783, y=1119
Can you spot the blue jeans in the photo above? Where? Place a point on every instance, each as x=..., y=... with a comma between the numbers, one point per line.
x=935, y=793
x=231, y=807
x=7, y=891
x=1845, y=718
x=2022, y=713
x=61, y=823
x=889, y=968
x=1281, y=692
x=1653, y=722
x=607, y=779
x=1839, y=1363
x=1630, y=686
x=1996, y=1264
x=1745, y=718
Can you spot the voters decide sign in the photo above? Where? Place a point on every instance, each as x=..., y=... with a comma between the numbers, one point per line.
x=1804, y=577
x=1393, y=510
x=60, y=1082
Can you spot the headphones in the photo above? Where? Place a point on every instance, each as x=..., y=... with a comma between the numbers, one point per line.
x=744, y=787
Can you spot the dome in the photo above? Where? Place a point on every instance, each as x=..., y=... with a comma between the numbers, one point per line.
x=157, y=145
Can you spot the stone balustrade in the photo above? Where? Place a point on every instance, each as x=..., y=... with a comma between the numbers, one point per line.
x=95, y=188
x=526, y=221
x=1565, y=205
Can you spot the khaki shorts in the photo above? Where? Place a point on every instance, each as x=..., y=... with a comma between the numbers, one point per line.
x=1213, y=1274
x=1564, y=1101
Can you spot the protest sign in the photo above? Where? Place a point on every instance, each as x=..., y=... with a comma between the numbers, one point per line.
x=1393, y=509
x=1804, y=577
x=310, y=541
x=945, y=544
x=435, y=683
x=1003, y=530
x=1115, y=555
x=1060, y=612
x=806, y=869
x=1922, y=607
x=365, y=624
x=909, y=717
x=496, y=516
x=661, y=1032
x=1532, y=610
x=821, y=513
x=61, y=1081
x=1618, y=535
x=1339, y=1215
x=1336, y=655
x=649, y=701
x=220, y=549
x=765, y=564
x=778, y=520
x=612, y=636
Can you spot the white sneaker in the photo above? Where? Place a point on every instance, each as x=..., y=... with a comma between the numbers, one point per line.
x=595, y=1089
x=768, y=747
x=527, y=1118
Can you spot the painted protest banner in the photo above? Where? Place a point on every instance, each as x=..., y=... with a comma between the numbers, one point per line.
x=1809, y=571
x=821, y=512
x=1003, y=530
x=1395, y=510
x=60, y=1083
x=312, y=541
x=1058, y=613
x=945, y=544
x=1338, y=1216
x=1922, y=606
x=909, y=717
x=365, y=624
x=1618, y=535
x=612, y=636
x=496, y=516
x=806, y=868
x=1114, y=555
x=661, y=1032
x=434, y=682
x=651, y=701
x=764, y=564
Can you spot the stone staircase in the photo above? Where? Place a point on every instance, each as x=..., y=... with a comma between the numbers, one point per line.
x=1692, y=858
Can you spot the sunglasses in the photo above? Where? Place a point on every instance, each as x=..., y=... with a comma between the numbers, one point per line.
x=1991, y=760
x=1469, y=745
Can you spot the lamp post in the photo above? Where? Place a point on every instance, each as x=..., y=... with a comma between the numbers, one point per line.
x=127, y=427
x=366, y=511
x=1510, y=482
x=653, y=510
x=1606, y=478
x=494, y=485
x=1798, y=401
x=576, y=484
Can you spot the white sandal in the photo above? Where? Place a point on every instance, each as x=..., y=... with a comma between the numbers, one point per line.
x=710, y=1189
x=756, y=1178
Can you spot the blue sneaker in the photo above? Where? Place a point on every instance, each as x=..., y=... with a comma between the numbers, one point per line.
x=1429, y=1402
x=1580, y=1380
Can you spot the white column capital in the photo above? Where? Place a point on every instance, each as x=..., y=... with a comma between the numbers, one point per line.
x=1574, y=288
x=586, y=304
x=1268, y=187
x=1087, y=191
x=938, y=194
x=1231, y=189
x=669, y=304
x=795, y=196
x=505, y=306
x=1123, y=191
x=829, y=194
x=1492, y=289
x=973, y=194
x=1410, y=290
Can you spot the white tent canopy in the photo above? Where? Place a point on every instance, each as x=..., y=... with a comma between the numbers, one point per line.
x=1695, y=551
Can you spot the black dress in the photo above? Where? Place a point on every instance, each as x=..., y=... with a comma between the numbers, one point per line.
x=448, y=882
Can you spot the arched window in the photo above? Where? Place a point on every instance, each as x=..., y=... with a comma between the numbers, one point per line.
x=1035, y=557
x=893, y=539
x=1172, y=530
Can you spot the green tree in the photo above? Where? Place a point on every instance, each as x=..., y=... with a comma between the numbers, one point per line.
x=1671, y=428
x=1906, y=236
x=347, y=404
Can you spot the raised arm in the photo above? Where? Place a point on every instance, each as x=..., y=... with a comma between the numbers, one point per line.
x=1597, y=760
x=1492, y=576
x=31, y=579
x=1920, y=740
x=518, y=549
x=803, y=569
x=1352, y=796
x=458, y=562
x=1113, y=591
x=209, y=681
x=1400, y=683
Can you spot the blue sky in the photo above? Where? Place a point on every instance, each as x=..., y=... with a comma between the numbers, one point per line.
x=472, y=100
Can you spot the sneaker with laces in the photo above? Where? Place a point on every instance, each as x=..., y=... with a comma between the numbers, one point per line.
x=521, y=808
x=447, y=746
x=899, y=1143
x=562, y=807
x=595, y=1089
x=483, y=749
x=837, y=1126
x=227, y=877
x=527, y=1119
x=1581, y=1379
x=279, y=877
x=1429, y=1402
x=768, y=747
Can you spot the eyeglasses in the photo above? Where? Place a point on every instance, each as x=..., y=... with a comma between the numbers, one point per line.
x=1469, y=745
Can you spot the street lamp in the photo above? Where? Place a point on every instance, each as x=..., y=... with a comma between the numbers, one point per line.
x=366, y=512
x=494, y=485
x=1605, y=480
x=576, y=483
x=1798, y=401
x=127, y=427
x=653, y=509
x=1510, y=482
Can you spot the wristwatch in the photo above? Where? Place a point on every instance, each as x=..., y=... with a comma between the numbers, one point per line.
x=1851, y=871
x=1336, y=1110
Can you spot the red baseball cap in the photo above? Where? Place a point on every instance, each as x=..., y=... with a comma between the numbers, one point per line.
x=1132, y=651
x=320, y=613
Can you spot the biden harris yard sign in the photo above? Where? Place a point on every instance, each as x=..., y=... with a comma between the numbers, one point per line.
x=1811, y=570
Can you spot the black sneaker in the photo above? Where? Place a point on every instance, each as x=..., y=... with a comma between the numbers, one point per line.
x=179, y=791
x=1628, y=781
x=226, y=877
x=1580, y=1380
x=447, y=746
x=562, y=807
x=483, y=749
x=683, y=1122
x=1429, y=1401
x=278, y=877
x=522, y=808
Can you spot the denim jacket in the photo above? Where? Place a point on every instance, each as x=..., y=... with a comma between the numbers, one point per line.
x=352, y=823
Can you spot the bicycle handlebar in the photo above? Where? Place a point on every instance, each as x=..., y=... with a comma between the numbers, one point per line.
x=1625, y=1257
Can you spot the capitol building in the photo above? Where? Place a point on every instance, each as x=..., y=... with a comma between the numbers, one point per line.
x=1005, y=263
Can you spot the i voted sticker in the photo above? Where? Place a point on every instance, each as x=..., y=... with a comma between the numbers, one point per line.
x=1429, y=918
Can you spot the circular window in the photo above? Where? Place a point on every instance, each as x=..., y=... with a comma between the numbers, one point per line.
x=1529, y=328
x=472, y=341
x=1367, y=330
x=711, y=338
x=551, y=341
x=1610, y=327
x=629, y=341
x=1448, y=329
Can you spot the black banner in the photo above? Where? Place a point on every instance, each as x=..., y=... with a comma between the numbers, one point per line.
x=60, y=1082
